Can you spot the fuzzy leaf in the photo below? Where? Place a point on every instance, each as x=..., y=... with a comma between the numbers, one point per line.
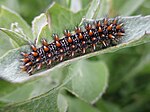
x=4, y=42
x=62, y=103
x=98, y=9
x=130, y=4
x=77, y=105
x=5, y=21
x=60, y=18
x=17, y=38
x=94, y=7
x=90, y=78
x=37, y=24
x=44, y=103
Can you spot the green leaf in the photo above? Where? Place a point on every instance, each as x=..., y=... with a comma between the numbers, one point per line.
x=6, y=22
x=13, y=93
x=104, y=9
x=120, y=7
x=62, y=103
x=95, y=5
x=30, y=9
x=98, y=9
x=60, y=18
x=9, y=64
x=37, y=25
x=44, y=99
x=105, y=106
x=76, y=105
x=6, y=87
x=75, y=5
x=45, y=24
x=4, y=42
x=17, y=38
x=43, y=103
x=28, y=90
x=50, y=100
x=13, y=4
x=90, y=78
x=45, y=33
x=132, y=5
x=143, y=9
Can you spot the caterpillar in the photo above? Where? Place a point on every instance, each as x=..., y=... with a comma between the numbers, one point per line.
x=95, y=36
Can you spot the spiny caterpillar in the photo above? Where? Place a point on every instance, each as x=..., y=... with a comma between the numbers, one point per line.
x=96, y=36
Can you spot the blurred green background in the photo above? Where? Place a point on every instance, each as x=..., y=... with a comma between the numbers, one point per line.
x=129, y=68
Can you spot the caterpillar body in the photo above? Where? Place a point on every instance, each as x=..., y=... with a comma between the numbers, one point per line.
x=96, y=36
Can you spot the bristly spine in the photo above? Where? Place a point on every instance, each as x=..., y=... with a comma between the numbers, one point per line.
x=96, y=36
